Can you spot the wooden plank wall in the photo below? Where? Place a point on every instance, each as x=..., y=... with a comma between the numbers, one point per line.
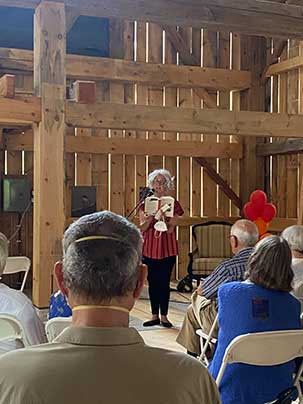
x=118, y=178
x=18, y=163
x=286, y=171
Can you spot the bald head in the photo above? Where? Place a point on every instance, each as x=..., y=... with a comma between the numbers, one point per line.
x=246, y=232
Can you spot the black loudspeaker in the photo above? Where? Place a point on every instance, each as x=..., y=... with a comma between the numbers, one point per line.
x=16, y=192
x=83, y=201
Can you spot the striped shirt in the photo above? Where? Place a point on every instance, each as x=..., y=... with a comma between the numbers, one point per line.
x=160, y=245
x=228, y=271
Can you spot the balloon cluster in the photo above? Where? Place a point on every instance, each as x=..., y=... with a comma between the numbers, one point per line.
x=259, y=211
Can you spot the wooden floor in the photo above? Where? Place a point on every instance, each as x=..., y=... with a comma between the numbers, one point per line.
x=159, y=336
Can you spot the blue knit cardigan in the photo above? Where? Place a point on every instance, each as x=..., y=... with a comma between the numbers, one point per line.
x=246, y=308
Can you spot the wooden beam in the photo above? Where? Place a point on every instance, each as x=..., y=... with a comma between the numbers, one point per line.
x=266, y=18
x=20, y=110
x=49, y=172
x=293, y=146
x=93, y=68
x=171, y=119
x=285, y=66
x=7, y=86
x=130, y=146
x=224, y=186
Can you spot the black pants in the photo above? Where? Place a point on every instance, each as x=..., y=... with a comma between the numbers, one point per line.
x=159, y=273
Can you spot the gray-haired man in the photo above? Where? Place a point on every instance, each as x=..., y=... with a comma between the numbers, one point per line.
x=203, y=310
x=99, y=359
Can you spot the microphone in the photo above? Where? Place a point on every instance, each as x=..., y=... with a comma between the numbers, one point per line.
x=145, y=192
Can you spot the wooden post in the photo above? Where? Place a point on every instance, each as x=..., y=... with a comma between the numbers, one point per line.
x=49, y=84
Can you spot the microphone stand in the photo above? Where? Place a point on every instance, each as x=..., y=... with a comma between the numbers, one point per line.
x=145, y=194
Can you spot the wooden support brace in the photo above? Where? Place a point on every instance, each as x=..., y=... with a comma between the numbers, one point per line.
x=219, y=181
x=7, y=86
x=85, y=92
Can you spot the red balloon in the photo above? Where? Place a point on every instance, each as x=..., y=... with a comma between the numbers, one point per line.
x=250, y=211
x=269, y=212
x=259, y=199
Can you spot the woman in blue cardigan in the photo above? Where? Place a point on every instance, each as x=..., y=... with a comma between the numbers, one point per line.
x=261, y=303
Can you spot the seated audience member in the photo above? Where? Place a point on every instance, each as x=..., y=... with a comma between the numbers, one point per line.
x=294, y=236
x=261, y=303
x=17, y=304
x=203, y=310
x=58, y=306
x=99, y=358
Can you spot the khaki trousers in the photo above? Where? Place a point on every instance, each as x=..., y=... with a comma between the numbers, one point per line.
x=200, y=315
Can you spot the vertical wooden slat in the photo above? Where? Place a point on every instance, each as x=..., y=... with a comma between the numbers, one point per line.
x=27, y=228
x=196, y=168
x=292, y=160
x=235, y=164
x=209, y=51
x=129, y=98
x=274, y=159
x=155, y=94
x=300, y=197
x=141, y=100
x=185, y=101
x=280, y=177
x=224, y=103
x=116, y=90
x=253, y=58
x=84, y=162
x=100, y=173
x=171, y=101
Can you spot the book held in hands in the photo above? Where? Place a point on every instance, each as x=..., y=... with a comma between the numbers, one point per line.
x=153, y=204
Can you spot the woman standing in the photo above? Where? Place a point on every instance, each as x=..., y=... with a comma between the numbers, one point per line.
x=159, y=249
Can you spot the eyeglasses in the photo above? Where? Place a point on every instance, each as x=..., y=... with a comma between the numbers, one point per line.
x=160, y=182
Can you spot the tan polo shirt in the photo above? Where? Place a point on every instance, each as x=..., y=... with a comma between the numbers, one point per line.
x=88, y=365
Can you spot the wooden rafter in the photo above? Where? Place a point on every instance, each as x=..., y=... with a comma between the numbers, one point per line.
x=119, y=70
x=224, y=186
x=266, y=18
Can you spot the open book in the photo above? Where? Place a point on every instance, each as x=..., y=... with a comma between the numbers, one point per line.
x=153, y=204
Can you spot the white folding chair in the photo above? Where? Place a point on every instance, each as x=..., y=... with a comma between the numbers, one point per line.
x=55, y=326
x=265, y=349
x=12, y=330
x=208, y=340
x=18, y=264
